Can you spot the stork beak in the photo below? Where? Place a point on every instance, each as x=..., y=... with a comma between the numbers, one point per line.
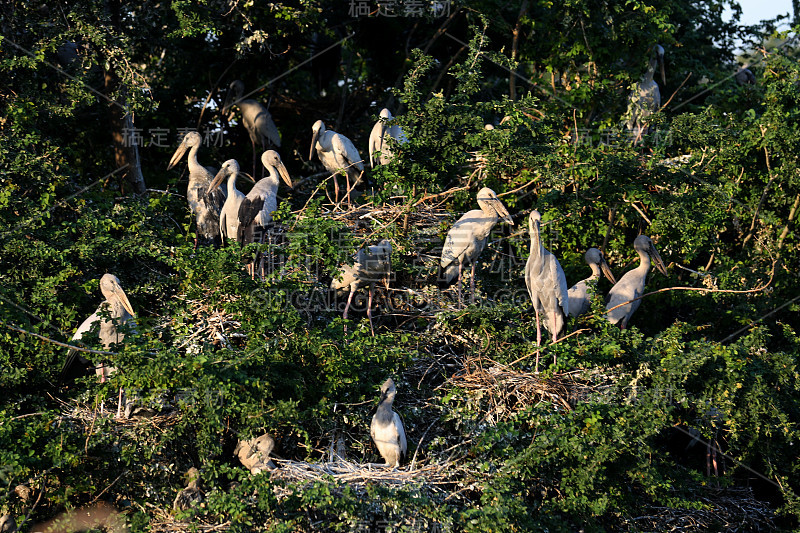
x=177, y=155
x=285, y=174
x=663, y=76
x=124, y=299
x=221, y=175
x=229, y=101
x=501, y=210
x=657, y=261
x=245, y=175
x=313, y=143
x=606, y=270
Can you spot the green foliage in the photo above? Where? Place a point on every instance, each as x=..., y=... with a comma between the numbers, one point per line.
x=595, y=439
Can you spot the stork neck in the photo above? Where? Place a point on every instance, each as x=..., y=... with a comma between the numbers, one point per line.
x=536, y=243
x=232, y=185
x=595, y=271
x=644, y=261
x=194, y=164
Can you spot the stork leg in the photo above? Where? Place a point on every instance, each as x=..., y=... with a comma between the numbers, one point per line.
x=347, y=181
x=119, y=403
x=472, y=284
x=335, y=190
x=538, y=338
x=458, y=284
x=255, y=159
x=347, y=306
x=555, y=337
x=369, y=308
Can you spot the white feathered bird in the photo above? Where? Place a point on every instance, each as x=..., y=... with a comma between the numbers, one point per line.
x=378, y=139
x=229, y=215
x=645, y=99
x=467, y=238
x=255, y=117
x=337, y=153
x=631, y=285
x=205, y=207
x=372, y=265
x=581, y=294
x=387, y=429
x=547, y=285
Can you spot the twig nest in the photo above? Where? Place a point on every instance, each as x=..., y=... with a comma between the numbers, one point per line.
x=192, y=495
x=254, y=453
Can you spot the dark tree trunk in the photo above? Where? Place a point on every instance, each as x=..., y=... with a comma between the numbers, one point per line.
x=125, y=139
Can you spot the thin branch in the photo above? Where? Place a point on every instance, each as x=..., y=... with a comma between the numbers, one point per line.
x=57, y=343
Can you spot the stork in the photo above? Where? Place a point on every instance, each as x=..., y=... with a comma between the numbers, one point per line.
x=229, y=215
x=645, y=99
x=467, y=238
x=378, y=139
x=120, y=312
x=204, y=206
x=623, y=298
x=255, y=117
x=547, y=286
x=581, y=294
x=192, y=495
x=255, y=211
x=372, y=265
x=387, y=429
x=254, y=454
x=338, y=154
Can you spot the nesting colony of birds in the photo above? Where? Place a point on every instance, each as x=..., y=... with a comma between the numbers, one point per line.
x=235, y=208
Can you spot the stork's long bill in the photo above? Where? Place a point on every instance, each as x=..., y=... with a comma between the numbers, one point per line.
x=119, y=293
x=606, y=270
x=178, y=155
x=314, y=138
x=657, y=261
x=285, y=174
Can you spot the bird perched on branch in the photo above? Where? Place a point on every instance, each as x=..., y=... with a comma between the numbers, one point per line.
x=255, y=117
x=387, y=429
x=229, y=215
x=581, y=294
x=120, y=312
x=467, y=238
x=547, y=285
x=645, y=99
x=622, y=300
x=338, y=154
x=372, y=264
x=205, y=207
x=378, y=139
x=255, y=211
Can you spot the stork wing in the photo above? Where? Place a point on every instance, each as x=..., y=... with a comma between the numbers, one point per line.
x=249, y=209
x=266, y=127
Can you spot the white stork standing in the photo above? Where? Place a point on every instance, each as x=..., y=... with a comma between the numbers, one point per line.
x=645, y=99
x=229, y=215
x=467, y=238
x=387, y=429
x=204, y=206
x=619, y=304
x=547, y=286
x=372, y=265
x=581, y=294
x=120, y=312
x=255, y=211
x=255, y=117
x=382, y=130
x=337, y=153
